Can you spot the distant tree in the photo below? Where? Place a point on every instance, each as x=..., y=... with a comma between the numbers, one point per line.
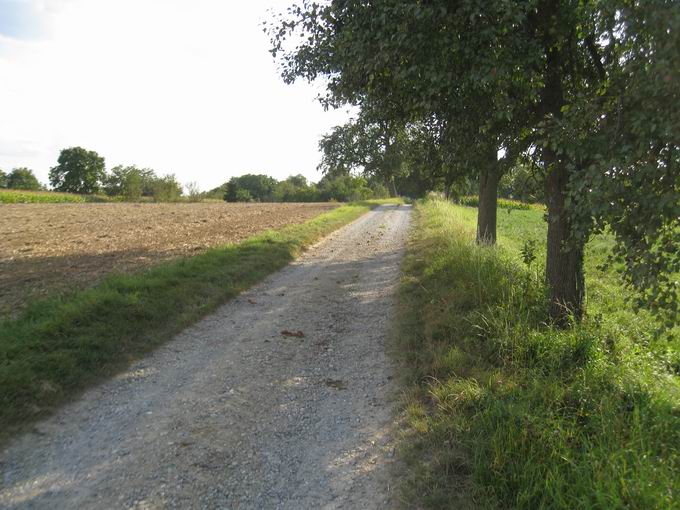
x=366, y=145
x=3, y=179
x=193, y=192
x=259, y=186
x=243, y=195
x=126, y=181
x=523, y=182
x=295, y=189
x=344, y=188
x=22, y=178
x=166, y=188
x=78, y=171
x=217, y=193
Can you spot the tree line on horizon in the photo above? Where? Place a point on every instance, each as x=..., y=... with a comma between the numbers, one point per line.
x=296, y=188
x=83, y=171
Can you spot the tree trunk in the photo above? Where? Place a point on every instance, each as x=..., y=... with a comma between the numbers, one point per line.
x=393, y=188
x=488, y=202
x=564, y=264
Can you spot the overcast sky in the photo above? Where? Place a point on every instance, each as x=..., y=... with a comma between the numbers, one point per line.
x=181, y=86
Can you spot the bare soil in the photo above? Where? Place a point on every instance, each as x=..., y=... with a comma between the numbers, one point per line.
x=280, y=399
x=47, y=248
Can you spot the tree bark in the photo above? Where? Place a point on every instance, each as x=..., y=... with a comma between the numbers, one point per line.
x=564, y=264
x=488, y=202
x=564, y=261
x=393, y=188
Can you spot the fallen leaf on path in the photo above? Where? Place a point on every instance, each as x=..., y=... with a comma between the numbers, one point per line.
x=252, y=302
x=338, y=384
x=297, y=334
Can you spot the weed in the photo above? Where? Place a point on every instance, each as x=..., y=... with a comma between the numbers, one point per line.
x=503, y=410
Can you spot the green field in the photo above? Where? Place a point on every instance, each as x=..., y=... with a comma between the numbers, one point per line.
x=504, y=411
x=18, y=196
x=59, y=346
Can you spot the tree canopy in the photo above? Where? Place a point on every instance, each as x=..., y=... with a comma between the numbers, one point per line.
x=22, y=178
x=576, y=88
x=78, y=171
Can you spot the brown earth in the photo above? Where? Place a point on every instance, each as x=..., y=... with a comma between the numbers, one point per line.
x=48, y=248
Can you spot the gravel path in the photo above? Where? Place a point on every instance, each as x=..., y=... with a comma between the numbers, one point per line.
x=234, y=414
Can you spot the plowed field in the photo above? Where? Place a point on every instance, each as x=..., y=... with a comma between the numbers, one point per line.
x=48, y=248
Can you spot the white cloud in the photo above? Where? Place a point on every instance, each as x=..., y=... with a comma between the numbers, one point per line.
x=183, y=86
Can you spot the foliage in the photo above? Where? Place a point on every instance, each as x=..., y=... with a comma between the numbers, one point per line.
x=295, y=189
x=344, y=188
x=22, y=178
x=129, y=182
x=363, y=144
x=78, y=171
x=503, y=203
x=260, y=188
x=579, y=87
x=69, y=342
x=630, y=180
x=3, y=179
x=242, y=195
x=8, y=196
x=166, y=188
x=523, y=182
x=504, y=411
x=193, y=192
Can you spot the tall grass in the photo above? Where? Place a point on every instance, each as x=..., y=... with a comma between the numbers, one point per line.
x=59, y=346
x=503, y=410
x=503, y=203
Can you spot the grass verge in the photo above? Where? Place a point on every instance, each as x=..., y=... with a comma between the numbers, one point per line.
x=59, y=346
x=503, y=411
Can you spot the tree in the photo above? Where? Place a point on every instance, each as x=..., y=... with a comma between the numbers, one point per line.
x=126, y=181
x=534, y=77
x=193, y=192
x=78, y=171
x=344, y=188
x=295, y=189
x=413, y=61
x=260, y=187
x=3, y=179
x=366, y=145
x=22, y=178
x=166, y=188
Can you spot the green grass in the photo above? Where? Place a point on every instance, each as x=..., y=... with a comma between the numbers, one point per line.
x=503, y=411
x=59, y=346
x=17, y=196
x=503, y=203
x=12, y=196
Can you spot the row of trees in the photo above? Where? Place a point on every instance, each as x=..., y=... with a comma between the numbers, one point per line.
x=581, y=96
x=296, y=188
x=82, y=171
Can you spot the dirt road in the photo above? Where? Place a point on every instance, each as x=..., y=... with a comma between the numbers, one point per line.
x=234, y=414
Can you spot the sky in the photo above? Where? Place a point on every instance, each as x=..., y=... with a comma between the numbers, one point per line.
x=181, y=86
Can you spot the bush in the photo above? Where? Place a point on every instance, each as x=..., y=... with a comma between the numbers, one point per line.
x=243, y=195
x=166, y=189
